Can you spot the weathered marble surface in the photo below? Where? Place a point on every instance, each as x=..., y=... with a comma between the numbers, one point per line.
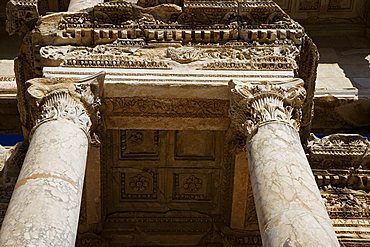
x=2, y=157
x=78, y=5
x=290, y=209
x=44, y=208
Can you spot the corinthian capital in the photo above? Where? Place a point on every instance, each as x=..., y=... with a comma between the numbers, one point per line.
x=255, y=104
x=77, y=101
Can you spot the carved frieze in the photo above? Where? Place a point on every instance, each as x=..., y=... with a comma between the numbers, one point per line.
x=254, y=104
x=195, y=22
x=126, y=53
x=340, y=165
x=345, y=203
x=137, y=106
x=339, y=151
x=228, y=35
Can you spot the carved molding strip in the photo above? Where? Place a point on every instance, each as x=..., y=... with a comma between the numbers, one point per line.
x=131, y=55
x=136, y=106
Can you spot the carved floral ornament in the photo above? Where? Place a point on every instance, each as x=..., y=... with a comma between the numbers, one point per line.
x=255, y=104
x=74, y=100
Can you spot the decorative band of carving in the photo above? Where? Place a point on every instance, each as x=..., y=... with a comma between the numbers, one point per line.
x=256, y=104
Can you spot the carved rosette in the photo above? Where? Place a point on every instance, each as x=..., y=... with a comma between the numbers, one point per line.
x=256, y=104
x=77, y=101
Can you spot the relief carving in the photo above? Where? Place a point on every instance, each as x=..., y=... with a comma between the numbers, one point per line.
x=89, y=239
x=73, y=100
x=215, y=22
x=191, y=187
x=340, y=165
x=139, y=185
x=192, y=184
x=346, y=203
x=246, y=35
x=254, y=104
x=136, y=144
x=21, y=16
x=136, y=106
x=125, y=53
x=332, y=150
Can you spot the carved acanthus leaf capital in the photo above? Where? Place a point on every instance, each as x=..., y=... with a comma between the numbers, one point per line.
x=255, y=104
x=75, y=100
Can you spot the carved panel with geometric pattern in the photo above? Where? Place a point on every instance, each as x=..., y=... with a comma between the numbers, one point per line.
x=195, y=145
x=167, y=175
x=136, y=144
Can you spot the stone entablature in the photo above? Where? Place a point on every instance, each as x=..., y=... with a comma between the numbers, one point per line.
x=253, y=39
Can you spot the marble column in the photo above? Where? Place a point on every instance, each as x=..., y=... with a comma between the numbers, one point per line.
x=3, y=156
x=45, y=205
x=78, y=5
x=289, y=206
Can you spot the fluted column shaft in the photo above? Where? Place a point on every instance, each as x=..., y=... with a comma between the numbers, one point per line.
x=289, y=206
x=45, y=205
